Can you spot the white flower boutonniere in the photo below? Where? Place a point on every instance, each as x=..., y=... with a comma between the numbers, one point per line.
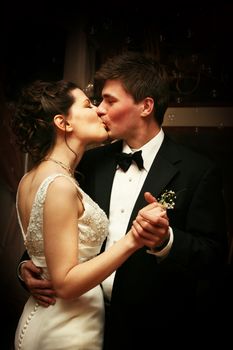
x=167, y=199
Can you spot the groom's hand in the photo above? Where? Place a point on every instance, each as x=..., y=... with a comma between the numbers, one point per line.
x=40, y=289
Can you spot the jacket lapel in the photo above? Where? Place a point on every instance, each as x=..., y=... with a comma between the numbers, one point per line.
x=162, y=171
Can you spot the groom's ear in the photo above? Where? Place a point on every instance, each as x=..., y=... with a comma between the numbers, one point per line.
x=147, y=106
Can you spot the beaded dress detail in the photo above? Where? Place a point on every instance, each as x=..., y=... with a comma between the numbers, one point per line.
x=69, y=324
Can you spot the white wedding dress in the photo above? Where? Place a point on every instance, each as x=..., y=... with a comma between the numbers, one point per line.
x=76, y=324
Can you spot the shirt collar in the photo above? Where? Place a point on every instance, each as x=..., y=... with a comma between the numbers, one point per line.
x=149, y=150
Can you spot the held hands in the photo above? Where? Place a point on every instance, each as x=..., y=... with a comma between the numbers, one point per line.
x=151, y=224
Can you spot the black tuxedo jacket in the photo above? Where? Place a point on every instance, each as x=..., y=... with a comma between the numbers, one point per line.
x=152, y=296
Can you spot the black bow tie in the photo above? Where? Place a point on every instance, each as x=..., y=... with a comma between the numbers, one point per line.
x=124, y=160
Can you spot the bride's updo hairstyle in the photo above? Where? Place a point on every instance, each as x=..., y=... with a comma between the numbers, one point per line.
x=32, y=119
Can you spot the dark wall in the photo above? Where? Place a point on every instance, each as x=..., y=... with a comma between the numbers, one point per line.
x=11, y=244
x=217, y=144
x=192, y=39
x=32, y=47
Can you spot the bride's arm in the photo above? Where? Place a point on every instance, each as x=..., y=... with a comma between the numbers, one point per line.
x=69, y=278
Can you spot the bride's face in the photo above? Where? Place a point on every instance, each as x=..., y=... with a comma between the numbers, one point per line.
x=87, y=125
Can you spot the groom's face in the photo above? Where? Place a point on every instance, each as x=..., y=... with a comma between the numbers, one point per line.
x=119, y=112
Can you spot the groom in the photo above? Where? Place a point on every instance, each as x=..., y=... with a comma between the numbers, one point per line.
x=164, y=295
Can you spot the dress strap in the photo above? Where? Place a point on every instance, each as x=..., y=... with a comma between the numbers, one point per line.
x=17, y=210
x=37, y=206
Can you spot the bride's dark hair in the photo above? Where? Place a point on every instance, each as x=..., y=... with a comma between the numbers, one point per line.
x=33, y=112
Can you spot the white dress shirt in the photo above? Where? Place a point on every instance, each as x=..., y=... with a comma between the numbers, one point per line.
x=125, y=190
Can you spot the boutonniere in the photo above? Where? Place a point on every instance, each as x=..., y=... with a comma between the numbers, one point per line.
x=167, y=199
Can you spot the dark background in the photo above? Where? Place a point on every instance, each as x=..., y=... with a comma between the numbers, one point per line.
x=193, y=39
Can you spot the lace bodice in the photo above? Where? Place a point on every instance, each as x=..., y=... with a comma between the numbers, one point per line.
x=93, y=226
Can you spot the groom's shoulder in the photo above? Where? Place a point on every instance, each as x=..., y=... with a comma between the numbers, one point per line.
x=189, y=152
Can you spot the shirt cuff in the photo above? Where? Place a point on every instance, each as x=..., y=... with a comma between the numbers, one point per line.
x=164, y=252
x=19, y=269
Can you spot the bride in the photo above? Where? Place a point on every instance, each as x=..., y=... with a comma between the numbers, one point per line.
x=62, y=227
